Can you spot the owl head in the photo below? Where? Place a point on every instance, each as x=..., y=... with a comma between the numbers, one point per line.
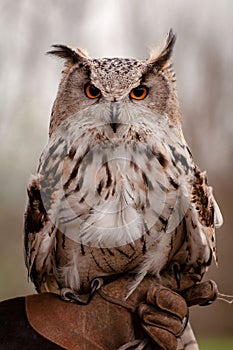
x=87, y=81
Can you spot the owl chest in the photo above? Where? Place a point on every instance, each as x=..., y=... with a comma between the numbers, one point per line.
x=115, y=208
x=116, y=201
x=118, y=191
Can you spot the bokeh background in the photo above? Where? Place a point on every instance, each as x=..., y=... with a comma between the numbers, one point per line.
x=203, y=60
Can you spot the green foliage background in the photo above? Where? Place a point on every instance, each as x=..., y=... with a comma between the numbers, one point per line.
x=216, y=344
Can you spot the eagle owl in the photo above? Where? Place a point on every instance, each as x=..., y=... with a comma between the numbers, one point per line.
x=117, y=189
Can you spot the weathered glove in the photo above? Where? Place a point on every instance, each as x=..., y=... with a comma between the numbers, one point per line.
x=164, y=316
x=151, y=318
x=163, y=312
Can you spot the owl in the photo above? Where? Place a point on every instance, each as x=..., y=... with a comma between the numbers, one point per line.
x=117, y=190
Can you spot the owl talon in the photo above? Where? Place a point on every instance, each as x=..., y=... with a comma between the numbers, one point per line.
x=176, y=271
x=68, y=295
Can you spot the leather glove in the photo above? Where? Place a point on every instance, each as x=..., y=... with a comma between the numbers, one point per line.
x=151, y=318
x=163, y=312
x=164, y=316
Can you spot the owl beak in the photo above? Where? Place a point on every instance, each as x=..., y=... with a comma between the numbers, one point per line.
x=114, y=114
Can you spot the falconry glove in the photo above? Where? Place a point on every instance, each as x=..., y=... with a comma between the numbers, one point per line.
x=163, y=313
x=152, y=317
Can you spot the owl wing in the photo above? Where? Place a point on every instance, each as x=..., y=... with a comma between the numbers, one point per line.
x=40, y=225
x=208, y=215
x=39, y=237
x=200, y=221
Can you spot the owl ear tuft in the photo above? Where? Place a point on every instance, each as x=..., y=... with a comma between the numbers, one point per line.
x=159, y=58
x=71, y=55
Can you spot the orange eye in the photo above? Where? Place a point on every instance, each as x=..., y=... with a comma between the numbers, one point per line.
x=91, y=91
x=139, y=93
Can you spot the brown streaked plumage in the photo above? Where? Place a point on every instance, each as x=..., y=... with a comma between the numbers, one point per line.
x=117, y=189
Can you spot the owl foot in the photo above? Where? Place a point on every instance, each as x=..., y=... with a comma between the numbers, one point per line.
x=176, y=271
x=68, y=294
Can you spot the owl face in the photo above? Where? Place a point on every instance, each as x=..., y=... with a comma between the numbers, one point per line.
x=148, y=84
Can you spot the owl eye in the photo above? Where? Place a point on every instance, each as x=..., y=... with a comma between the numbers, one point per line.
x=91, y=91
x=139, y=93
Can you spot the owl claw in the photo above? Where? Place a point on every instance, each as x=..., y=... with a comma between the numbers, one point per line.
x=68, y=295
x=176, y=271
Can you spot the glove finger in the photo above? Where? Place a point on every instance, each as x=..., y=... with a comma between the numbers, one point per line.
x=161, y=337
x=156, y=318
x=203, y=293
x=168, y=301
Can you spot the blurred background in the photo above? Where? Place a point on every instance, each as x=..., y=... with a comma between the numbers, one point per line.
x=203, y=60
